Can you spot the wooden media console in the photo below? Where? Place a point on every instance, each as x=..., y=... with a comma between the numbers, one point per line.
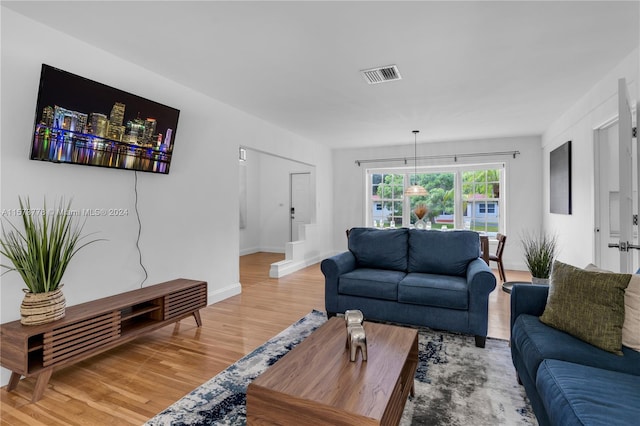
x=94, y=327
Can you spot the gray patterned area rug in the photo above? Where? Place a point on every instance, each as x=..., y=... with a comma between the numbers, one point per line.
x=456, y=383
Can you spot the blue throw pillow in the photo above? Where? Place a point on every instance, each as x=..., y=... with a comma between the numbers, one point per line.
x=379, y=248
x=442, y=252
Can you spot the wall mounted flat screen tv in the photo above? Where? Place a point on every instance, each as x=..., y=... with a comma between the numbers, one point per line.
x=80, y=121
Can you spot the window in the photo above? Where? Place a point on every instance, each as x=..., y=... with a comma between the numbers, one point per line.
x=440, y=200
x=458, y=197
x=387, y=191
x=484, y=208
x=480, y=199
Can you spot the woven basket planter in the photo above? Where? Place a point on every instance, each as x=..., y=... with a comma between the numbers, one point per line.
x=41, y=308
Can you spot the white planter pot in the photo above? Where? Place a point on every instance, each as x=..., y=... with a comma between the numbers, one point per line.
x=536, y=280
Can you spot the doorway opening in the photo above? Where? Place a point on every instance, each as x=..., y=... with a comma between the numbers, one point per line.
x=270, y=187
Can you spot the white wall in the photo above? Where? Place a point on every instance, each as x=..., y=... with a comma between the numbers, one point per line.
x=186, y=231
x=576, y=231
x=250, y=235
x=268, y=202
x=275, y=200
x=523, y=187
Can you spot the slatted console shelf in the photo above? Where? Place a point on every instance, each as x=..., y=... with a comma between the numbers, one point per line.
x=94, y=327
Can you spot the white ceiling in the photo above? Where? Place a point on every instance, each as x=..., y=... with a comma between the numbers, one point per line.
x=469, y=69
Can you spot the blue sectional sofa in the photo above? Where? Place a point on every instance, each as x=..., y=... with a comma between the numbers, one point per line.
x=409, y=276
x=569, y=381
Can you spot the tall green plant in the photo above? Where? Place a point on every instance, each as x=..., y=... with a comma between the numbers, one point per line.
x=539, y=252
x=41, y=252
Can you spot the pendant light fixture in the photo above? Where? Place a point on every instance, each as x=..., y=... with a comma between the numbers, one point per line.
x=415, y=189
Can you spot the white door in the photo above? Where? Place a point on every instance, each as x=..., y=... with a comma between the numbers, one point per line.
x=616, y=160
x=607, y=197
x=625, y=152
x=300, y=208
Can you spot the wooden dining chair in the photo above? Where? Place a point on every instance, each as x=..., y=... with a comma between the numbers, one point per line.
x=498, y=256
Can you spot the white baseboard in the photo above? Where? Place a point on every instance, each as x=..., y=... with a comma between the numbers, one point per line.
x=252, y=250
x=286, y=267
x=223, y=293
x=272, y=250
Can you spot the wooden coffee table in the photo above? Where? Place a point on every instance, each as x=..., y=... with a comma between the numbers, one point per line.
x=315, y=383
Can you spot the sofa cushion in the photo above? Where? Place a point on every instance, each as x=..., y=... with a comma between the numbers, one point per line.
x=379, y=248
x=536, y=342
x=371, y=283
x=445, y=253
x=587, y=304
x=574, y=394
x=443, y=291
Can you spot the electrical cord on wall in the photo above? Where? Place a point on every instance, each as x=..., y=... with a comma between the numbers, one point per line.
x=135, y=189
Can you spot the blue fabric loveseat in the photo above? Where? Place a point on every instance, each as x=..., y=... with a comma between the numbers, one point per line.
x=569, y=381
x=409, y=276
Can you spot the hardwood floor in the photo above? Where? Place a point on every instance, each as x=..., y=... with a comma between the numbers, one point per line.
x=132, y=383
x=499, y=308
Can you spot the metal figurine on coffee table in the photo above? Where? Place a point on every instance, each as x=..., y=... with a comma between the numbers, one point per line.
x=356, y=337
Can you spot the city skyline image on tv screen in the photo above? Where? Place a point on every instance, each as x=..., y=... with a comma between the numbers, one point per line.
x=81, y=121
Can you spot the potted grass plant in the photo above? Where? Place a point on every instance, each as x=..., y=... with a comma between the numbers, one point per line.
x=540, y=250
x=40, y=252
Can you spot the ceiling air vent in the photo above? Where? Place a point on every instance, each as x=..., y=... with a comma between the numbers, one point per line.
x=381, y=74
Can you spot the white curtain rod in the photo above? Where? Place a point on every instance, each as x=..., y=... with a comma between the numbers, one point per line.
x=434, y=157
